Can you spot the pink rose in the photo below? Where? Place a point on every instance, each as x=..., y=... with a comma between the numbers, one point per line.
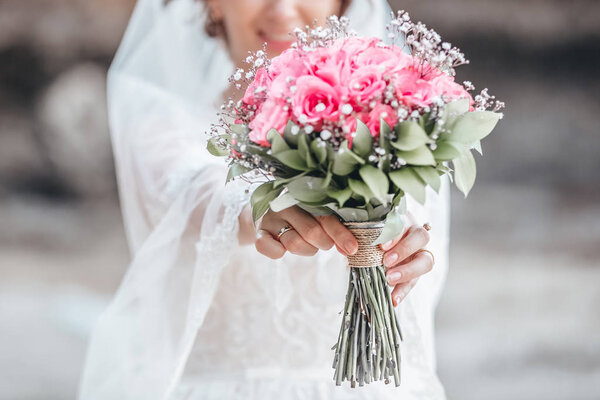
x=354, y=46
x=387, y=59
x=444, y=84
x=271, y=114
x=284, y=69
x=258, y=88
x=413, y=90
x=329, y=65
x=365, y=83
x=314, y=101
x=381, y=111
x=288, y=63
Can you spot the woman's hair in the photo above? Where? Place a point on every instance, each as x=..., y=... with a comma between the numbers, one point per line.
x=216, y=28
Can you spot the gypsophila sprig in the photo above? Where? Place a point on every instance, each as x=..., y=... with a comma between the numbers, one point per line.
x=348, y=125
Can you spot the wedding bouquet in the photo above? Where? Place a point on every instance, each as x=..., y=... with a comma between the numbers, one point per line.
x=347, y=125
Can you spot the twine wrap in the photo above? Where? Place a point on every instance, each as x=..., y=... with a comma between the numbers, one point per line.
x=368, y=255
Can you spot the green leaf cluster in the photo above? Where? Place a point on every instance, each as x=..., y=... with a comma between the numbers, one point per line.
x=350, y=182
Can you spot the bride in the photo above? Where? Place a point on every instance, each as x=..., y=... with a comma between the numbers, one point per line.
x=212, y=308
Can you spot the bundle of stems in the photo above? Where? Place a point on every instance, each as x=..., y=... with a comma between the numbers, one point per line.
x=368, y=346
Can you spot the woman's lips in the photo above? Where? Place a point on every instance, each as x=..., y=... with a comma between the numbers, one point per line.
x=276, y=41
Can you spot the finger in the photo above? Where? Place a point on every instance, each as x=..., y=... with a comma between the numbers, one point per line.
x=295, y=244
x=265, y=244
x=391, y=243
x=416, y=238
x=400, y=291
x=420, y=264
x=343, y=238
x=309, y=228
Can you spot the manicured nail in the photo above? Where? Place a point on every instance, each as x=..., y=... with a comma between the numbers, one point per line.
x=393, y=277
x=390, y=259
x=350, y=247
x=397, y=299
x=387, y=245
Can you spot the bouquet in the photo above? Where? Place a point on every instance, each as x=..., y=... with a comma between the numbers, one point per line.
x=347, y=125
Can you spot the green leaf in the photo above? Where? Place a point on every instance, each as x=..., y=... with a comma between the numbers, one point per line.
x=352, y=214
x=362, y=141
x=477, y=147
x=236, y=170
x=410, y=136
x=304, y=150
x=446, y=151
x=329, y=176
x=292, y=159
x=394, y=224
x=291, y=138
x=277, y=143
x=260, y=192
x=315, y=210
x=361, y=189
x=319, y=150
x=384, y=143
x=376, y=180
x=430, y=176
x=215, y=148
x=282, y=202
x=239, y=129
x=307, y=189
x=377, y=213
x=303, y=146
x=408, y=180
x=443, y=169
x=261, y=197
x=464, y=172
x=473, y=126
x=419, y=156
x=280, y=181
x=455, y=109
x=384, y=128
x=341, y=196
x=345, y=161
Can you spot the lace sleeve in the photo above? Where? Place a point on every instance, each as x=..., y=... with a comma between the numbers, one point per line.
x=180, y=217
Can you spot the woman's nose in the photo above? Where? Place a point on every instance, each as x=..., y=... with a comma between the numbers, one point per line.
x=283, y=10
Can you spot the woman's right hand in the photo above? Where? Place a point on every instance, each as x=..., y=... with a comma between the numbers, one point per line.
x=308, y=235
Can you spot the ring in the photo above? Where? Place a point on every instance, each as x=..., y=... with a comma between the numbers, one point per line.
x=283, y=230
x=426, y=226
x=427, y=251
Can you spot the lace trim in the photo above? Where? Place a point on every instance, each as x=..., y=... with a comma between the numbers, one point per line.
x=211, y=255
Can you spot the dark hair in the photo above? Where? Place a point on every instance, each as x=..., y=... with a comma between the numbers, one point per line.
x=216, y=28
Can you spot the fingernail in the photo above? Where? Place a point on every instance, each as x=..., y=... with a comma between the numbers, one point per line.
x=387, y=245
x=393, y=277
x=350, y=247
x=390, y=259
x=397, y=299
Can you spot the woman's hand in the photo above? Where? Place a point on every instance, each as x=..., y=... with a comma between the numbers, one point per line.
x=308, y=235
x=405, y=261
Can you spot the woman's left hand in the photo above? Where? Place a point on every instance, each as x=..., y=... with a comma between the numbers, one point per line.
x=405, y=261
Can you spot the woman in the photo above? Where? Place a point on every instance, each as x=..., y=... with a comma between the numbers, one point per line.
x=201, y=312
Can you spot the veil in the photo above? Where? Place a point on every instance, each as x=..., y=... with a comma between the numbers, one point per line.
x=181, y=220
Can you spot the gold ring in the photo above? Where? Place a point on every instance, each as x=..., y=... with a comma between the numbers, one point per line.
x=426, y=226
x=283, y=230
x=427, y=251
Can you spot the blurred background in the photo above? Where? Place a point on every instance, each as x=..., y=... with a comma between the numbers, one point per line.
x=519, y=318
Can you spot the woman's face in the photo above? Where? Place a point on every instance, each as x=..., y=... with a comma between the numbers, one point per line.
x=250, y=23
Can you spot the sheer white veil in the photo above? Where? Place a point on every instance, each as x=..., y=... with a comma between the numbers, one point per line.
x=181, y=220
